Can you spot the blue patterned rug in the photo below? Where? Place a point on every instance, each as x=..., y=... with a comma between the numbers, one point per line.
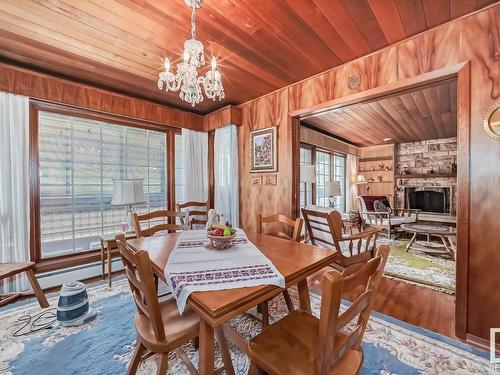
x=105, y=345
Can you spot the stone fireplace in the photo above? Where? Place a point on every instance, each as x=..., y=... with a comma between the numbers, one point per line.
x=424, y=177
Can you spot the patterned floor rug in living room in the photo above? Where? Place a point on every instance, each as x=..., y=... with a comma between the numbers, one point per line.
x=432, y=271
x=104, y=345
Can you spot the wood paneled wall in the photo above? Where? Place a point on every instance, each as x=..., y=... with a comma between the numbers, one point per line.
x=475, y=38
x=267, y=111
x=56, y=90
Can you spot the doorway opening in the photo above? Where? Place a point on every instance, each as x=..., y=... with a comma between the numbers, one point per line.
x=406, y=149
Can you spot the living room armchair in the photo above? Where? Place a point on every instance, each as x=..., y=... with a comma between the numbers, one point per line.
x=376, y=212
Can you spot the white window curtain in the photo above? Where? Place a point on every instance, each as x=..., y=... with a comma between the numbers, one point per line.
x=14, y=185
x=350, y=178
x=226, y=173
x=195, y=150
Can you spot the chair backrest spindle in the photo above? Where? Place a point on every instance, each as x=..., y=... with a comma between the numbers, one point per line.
x=168, y=216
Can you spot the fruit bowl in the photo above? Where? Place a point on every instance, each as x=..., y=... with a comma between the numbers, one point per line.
x=220, y=242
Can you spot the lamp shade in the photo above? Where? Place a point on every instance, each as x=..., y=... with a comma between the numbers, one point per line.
x=308, y=173
x=360, y=179
x=332, y=189
x=127, y=192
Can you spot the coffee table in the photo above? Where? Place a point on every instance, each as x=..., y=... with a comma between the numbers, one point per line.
x=444, y=233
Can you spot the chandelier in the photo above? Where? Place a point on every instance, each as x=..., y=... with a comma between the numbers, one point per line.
x=186, y=79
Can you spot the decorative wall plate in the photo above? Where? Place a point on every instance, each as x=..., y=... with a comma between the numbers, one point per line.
x=491, y=122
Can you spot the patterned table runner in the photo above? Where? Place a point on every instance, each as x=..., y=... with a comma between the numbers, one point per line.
x=191, y=267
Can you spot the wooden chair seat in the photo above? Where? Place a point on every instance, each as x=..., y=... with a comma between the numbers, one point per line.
x=12, y=269
x=297, y=335
x=178, y=330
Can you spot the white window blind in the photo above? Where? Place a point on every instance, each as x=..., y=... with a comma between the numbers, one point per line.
x=79, y=158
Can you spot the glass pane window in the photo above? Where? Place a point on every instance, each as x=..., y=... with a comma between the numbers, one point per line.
x=323, y=174
x=79, y=158
x=339, y=175
x=305, y=188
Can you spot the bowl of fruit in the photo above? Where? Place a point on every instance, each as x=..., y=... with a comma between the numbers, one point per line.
x=220, y=236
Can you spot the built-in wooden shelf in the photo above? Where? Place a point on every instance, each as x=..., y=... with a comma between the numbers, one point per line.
x=375, y=170
x=378, y=158
x=426, y=175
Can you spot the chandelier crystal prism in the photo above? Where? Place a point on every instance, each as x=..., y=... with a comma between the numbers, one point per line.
x=187, y=79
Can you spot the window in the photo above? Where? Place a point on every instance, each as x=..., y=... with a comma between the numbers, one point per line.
x=339, y=175
x=79, y=158
x=330, y=166
x=305, y=191
x=179, y=170
x=323, y=174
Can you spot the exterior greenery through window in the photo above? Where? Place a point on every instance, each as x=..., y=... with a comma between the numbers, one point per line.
x=78, y=160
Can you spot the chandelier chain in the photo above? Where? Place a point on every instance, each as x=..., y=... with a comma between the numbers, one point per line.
x=193, y=21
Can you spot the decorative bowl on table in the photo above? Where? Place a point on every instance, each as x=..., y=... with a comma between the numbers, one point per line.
x=220, y=237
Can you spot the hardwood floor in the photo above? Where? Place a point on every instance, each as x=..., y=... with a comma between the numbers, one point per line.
x=413, y=304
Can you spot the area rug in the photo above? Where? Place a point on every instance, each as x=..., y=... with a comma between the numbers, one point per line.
x=432, y=271
x=104, y=346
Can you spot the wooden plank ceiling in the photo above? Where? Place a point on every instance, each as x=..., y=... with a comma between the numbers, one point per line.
x=429, y=112
x=262, y=45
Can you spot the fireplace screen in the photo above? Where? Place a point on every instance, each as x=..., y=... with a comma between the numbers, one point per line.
x=428, y=199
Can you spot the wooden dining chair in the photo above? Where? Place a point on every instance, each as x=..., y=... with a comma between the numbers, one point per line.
x=300, y=343
x=325, y=230
x=294, y=227
x=160, y=329
x=16, y=268
x=197, y=213
x=165, y=226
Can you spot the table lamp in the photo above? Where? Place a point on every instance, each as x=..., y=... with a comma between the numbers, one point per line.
x=128, y=192
x=361, y=180
x=307, y=175
x=332, y=189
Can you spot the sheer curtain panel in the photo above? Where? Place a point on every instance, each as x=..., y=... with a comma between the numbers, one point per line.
x=195, y=152
x=226, y=173
x=350, y=178
x=14, y=185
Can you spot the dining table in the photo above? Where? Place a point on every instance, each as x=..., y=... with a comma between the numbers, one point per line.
x=294, y=260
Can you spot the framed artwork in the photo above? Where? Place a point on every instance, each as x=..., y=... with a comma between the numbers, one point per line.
x=271, y=179
x=263, y=150
x=256, y=180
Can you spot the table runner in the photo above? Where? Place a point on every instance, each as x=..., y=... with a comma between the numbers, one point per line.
x=191, y=267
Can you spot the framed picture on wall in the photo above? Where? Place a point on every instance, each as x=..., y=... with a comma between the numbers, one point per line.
x=263, y=150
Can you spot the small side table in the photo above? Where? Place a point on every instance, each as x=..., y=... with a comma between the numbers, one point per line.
x=108, y=243
x=350, y=220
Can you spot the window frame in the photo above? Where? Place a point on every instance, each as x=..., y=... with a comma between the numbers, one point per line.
x=86, y=256
x=314, y=150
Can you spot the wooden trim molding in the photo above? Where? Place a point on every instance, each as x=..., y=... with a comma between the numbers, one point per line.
x=387, y=90
x=61, y=91
x=222, y=117
x=463, y=199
